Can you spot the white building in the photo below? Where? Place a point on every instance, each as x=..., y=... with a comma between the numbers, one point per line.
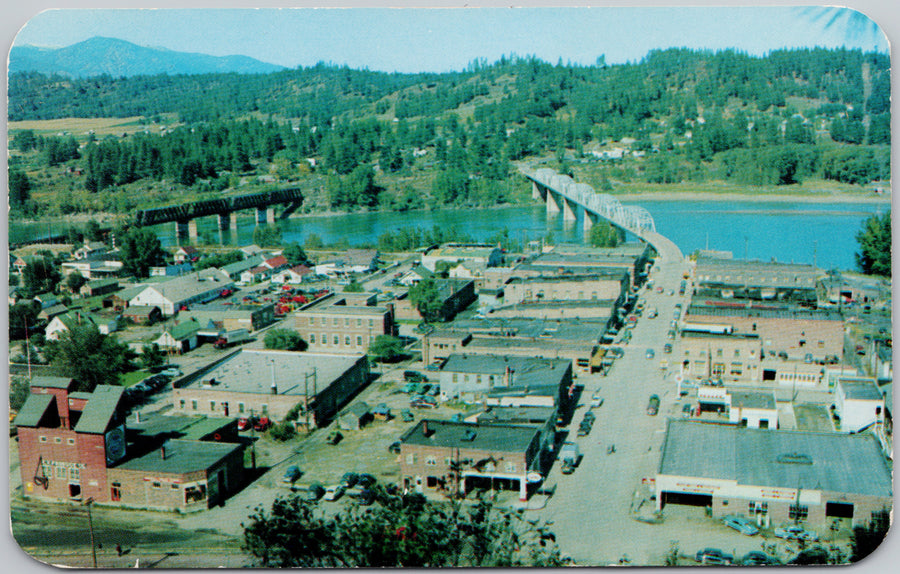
x=753, y=409
x=170, y=296
x=294, y=275
x=488, y=255
x=858, y=403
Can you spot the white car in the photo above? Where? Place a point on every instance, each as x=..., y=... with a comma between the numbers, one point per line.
x=334, y=491
x=795, y=532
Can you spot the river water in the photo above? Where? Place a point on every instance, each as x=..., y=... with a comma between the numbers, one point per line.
x=820, y=233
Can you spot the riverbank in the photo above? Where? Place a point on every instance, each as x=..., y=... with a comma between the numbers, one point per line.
x=758, y=197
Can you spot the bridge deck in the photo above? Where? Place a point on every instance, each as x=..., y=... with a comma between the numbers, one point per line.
x=194, y=209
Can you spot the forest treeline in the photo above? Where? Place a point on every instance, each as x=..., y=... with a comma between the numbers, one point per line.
x=689, y=115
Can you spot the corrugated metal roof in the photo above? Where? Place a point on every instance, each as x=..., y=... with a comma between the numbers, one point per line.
x=182, y=456
x=99, y=410
x=786, y=459
x=33, y=410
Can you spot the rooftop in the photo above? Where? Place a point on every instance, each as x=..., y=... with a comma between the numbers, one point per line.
x=753, y=400
x=861, y=389
x=252, y=371
x=33, y=410
x=51, y=382
x=785, y=459
x=99, y=410
x=712, y=270
x=588, y=330
x=192, y=285
x=182, y=456
x=743, y=308
x=163, y=427
x=496, y=438
x=600, y=274
x=516, y=415
x=534, y=369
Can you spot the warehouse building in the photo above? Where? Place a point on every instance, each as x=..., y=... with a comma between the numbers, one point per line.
x=271, y=383
x=773, y=477
x=760, y=280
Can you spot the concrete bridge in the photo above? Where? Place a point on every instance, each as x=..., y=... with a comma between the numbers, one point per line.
x=226, y=208
x=562, y=194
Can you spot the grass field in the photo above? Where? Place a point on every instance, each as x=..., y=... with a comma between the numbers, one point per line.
x=79, y=128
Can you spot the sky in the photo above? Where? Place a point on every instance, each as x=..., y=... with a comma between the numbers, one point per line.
x=439, y=40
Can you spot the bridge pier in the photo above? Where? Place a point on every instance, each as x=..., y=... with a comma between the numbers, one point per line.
x=186, y=231
x=590, y=219
x=568, y=210
x=265, y=215
x=552, y=203
x=227, y=221
x=537, y=192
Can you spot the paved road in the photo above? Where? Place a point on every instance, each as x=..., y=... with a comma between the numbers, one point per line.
x=591, y=509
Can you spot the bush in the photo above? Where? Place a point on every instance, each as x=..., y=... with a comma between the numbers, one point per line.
x=283, y=432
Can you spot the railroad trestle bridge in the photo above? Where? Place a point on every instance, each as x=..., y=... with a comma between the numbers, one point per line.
x=185, y=215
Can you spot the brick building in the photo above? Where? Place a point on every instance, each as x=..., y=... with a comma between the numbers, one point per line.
x=611, y=284
x=717, y=277
x=75, y=446
x=773, y=477
x=454, y=295
x=341, y=323
x=498, y=456
x=271, y=383
x=472, y=378
x=782, y=328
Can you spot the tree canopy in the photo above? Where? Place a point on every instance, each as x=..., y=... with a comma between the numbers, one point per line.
x=268, y=235
x=89, y=357
x=425, y=296
x=874, y=255
x=140, y=250
x=603, y=234
x=40, y=276
x=397, y=531
x=386, y=349
x=284, y=340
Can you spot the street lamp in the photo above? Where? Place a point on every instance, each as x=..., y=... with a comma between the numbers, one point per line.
x=88, y=504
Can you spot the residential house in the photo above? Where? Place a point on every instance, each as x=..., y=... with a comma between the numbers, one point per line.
x=186, y=254
x=64, y=322
x=234, y=270
x=180, y=338
x=99, y=287
x=90, y=250
x=414, y=275
x=293, y=276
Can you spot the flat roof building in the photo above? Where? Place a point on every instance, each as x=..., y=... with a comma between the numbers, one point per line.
x=473, y=378
x=271, y=383
x=343, y=323
x=756, y=279
x=773, y=477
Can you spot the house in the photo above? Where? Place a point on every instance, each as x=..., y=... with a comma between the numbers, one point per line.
x=180, y=338
x=234, y=270
x=143, y=314
x=178, y=293
x=293, y=276
x=186, y=254
x=64, y=322
x=252, y=250
x=355, y=417
x=50, y=312
x=171, y=270
x=108, y=265
x=277, y=263
x=90, y=250
x=361, y=260
x=99, y=287
x=414, y=275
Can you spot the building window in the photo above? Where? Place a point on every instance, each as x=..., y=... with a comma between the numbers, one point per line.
x=74, y=474
x=737, y=369
x=802, y=343
x=347, y=340
x=510, y=467
x=181, y=404
x=240, y=407
x=336, y=322
x=346, y=321
x=753, y=328
x=157, y=485
x=71, y=442
x=719, y=352
x=212, y=405
x=821, y=344
x=431, y=481
x=57, y=440
x=60, y=472
x=46, y=469
x=430, y=461
x=359, y=340
x=194, y=404
x=371, y=322
x=337, y=340
x=115, y=492
x=324, y=339
x=312, y=320
x=737, y=352
x=194, y=493
x=798, y=512
x=312, y=338
x=42, y=439
x=359, y=322
x=718, y=369
x=411, y=459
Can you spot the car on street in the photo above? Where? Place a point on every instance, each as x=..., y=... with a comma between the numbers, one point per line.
x=667, y=348
x=423, y=402
x=414, y=377
x=171, y=371
x=584, y=429
x=741, y=524
x=334, y=437
x=567, y=467
x=795, y=532
x=650, y=353
x=713, y=556
x=291, y=474
x=757, y=558
x=334, y=491
x=596, y=401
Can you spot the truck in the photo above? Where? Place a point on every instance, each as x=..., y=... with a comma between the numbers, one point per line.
x=568, y=453
x=229, y=338
x=653, y=405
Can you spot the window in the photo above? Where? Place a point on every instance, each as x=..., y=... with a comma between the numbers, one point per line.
x=194, y=404
x=336, y=322
x=430, y=461
x=71, y=442
x=346, y=321
x=798, y=512
x=240, y=407
x=431, y=481
x=157, y=485
x=718, y=369
x=181, y=404
x=46, y=469
x=448, y=461
x=60, y=472
x=74, y=474
x=324, y=338
x=719, y=352
x=737, y=352
x=359, y=340
x=371, y=322
x=312, y=338
x=821, y=344
x=312, y=320
x=57, y=440
x=737, y=369
x=347, y=340
x=173, y=486
x=753, y=328
x=410, y=459
x=212, y=405
x=455, y=380
x=802, y=343
x=358, y=322
x=195, y=493
x=115, y=491
x=42, y=439
x=510, y=467
x=337, y=340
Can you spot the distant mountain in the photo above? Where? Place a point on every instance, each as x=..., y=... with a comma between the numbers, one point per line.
x=118, y=58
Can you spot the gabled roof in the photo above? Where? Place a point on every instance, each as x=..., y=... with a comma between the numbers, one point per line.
x=192, y=285
x=240, y=266
x=275, y=262
x=187, y=250
x=51, y=382
x=184, y=329
x=100, y=409
x=74, y=318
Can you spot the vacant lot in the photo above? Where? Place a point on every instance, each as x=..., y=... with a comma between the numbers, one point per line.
x=79, y=127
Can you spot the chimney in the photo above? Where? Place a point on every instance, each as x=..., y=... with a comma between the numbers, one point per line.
x=425, y=427
x=274, y=387
x=162, y=452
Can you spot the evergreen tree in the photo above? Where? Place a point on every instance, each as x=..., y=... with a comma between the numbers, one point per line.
x=874, y=255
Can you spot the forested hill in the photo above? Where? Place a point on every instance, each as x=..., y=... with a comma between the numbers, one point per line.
x=678, y=114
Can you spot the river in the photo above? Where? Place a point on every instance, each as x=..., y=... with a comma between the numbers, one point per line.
x=801, y=232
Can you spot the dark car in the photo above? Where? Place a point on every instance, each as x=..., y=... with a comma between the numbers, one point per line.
x=334, y=437
x=589, y=417
x=414, y=377
x=757, y=558
x=291, y=475
x=567, y=467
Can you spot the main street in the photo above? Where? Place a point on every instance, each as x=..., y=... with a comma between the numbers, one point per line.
x=591, y=509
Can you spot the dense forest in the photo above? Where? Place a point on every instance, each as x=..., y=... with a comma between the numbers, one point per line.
x=368, y=140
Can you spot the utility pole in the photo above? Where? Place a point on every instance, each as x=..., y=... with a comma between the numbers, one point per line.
x=88, y=503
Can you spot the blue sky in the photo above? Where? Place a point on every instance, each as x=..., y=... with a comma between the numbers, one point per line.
x=410, y=40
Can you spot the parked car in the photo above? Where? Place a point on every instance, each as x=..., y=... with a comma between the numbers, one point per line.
x=334, y=492
x=667, y=348
x=589, y=417
x=567, y=467
x=650, y=353
x=424, y=402
x=334, y=437
x=291, y=474
x=713, y=556
x=406, y=415
x=794, y=532
x=410, y=388
x=596, y=401
x=261, y=424
x=171, y=371
x=584, y=430
x=741, y=524
x=314, y=492
x=245, y=423
x=349, y=479
x=414, y=377
x=757, y=558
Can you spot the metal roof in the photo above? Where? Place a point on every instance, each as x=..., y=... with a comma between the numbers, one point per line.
x=33, y=410
x=51, y=382
x=182, y=456
x=447, y=434
x=785, y=459
x=192, y=285
x=753, y=400
x=157, y=426
x=99, y=410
